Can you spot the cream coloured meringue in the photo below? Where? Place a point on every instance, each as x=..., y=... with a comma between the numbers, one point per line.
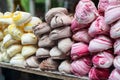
x=28, y=38
x=14, y=49
x=20, y=18
x=29, y=50
x=18, y=60
x=34, y=21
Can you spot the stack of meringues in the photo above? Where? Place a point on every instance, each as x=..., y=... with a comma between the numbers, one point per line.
x=54, y=40
x=18, y=41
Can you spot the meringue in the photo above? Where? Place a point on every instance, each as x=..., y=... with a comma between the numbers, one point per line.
x=78, y=50
x=75, y=26
x=8, y=41
x=20, y=18
x=65, y=45
x=103, y=60
x=34, y=21
x=98, y=74
x=117, y=47
x=112, y=14
x=49, y=64
x=42, y=52
x=41, y=29
x=85, y=12
x=5, y=57
x=18, y=60
x=56, y=53
x=1, y=35
x=98, y=27
x=45, y=41
x=82, y=36
x=60, y=33
x=32, y=62
x=100, y=43
x=52, y=12
x=15, y=32
x=27, y=51
x=115, y=32
x=28, y=38
x=81, y=66
x=65, y=67
x=60, y=19
x=14, y=49
x=117, y=62
x=115, y=75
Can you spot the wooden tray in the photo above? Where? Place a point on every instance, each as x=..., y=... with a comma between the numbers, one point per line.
x=37, y=71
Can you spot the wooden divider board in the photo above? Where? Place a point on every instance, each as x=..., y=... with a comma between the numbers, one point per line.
x=37, y=71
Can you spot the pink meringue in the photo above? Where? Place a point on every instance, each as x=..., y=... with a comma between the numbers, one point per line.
x=98, y=74
x=112, y=14
x=103, y=60
x=86, y=12
x=102, y=6
x=82, y=36
x=98, y=27
x=115, y=30
x=81, y=66
x=78, y=50
x=115, y=75
x=75, y=26
x=117, y=47
x=100, y=43
x=117, y=62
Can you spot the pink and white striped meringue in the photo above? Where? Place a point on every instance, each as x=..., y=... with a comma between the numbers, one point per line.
x=115, y=75
x=98, y=74
x=81, y=66
x=78, y=50
x=117, y=62
x=103, y=60
x=100, y=43
x=82, y=36
x=98, y=27
x=86, y=11
x=115, y=30
x=117, y=47
x=75, y=26
x=112, y=14
x=102, y=6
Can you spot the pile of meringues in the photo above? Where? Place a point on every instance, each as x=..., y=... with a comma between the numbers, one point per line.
x=54, y=40
x=18, y=42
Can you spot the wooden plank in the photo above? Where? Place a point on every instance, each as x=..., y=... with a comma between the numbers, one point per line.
x=37, y=71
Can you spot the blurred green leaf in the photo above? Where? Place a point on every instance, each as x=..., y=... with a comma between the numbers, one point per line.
x=25, y=4
x=40, y=1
